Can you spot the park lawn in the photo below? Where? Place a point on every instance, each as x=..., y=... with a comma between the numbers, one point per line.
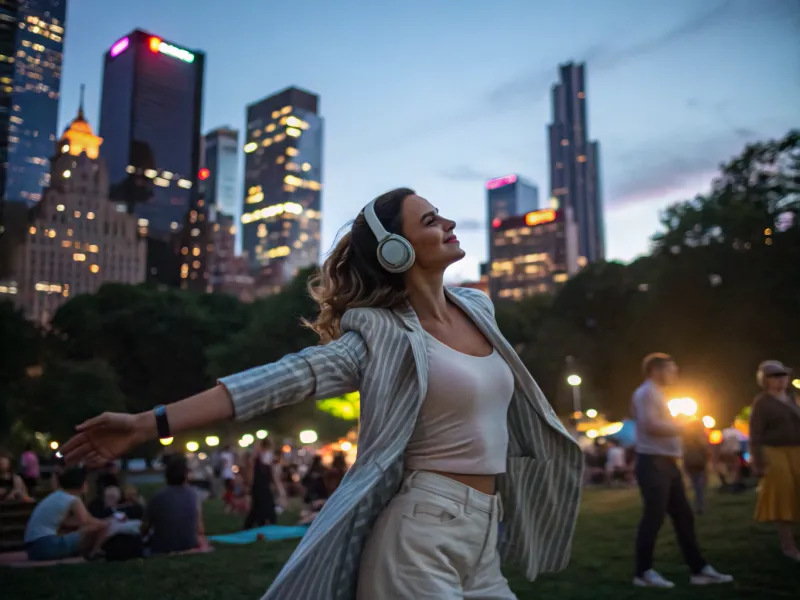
x=600, y=569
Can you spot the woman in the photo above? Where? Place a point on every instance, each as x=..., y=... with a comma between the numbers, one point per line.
x=451, y=421
x=775, y=448
x=12, y=488
x=262, y=481
x=334, y=476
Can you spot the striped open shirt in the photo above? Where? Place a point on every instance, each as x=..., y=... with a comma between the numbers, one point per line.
x=382, y=353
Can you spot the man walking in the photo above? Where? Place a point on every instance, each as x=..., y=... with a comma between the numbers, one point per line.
x=658, y=450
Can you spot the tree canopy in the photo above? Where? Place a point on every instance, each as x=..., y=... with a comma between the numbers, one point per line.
x=720, y=292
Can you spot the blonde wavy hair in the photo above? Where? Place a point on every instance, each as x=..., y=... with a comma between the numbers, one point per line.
x=351, y=276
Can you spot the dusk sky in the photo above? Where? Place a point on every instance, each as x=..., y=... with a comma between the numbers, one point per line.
x=442, y=95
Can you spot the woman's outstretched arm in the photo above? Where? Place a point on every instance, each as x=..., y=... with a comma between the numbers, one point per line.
x=316, y=372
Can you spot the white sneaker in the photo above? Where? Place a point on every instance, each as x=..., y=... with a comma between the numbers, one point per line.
x=652, y=578
x=709, y=575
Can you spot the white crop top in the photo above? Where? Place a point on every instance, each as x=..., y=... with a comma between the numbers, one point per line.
x=462, y=424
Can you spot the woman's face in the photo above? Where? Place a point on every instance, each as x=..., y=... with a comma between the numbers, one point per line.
x=431, y=235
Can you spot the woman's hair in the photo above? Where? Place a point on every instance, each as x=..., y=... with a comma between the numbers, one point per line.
x=352, y=277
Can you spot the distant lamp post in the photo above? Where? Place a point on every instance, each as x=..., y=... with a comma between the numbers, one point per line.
x=709, y=422
x=591, y=413
x=308, y=436
x=575, y=382
x=54, y=445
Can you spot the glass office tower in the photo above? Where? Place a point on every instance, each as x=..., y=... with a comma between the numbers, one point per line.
x=282, y=187
x=150, y=116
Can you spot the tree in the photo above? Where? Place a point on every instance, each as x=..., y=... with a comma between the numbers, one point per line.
x=68, y=393
x=20, y=345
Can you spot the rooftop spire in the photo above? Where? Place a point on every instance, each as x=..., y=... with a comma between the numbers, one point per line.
x=80, y=107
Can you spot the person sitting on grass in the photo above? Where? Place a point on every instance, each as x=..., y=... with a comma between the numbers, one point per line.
x=61, y=527
x=174, y=518
x=12, y=487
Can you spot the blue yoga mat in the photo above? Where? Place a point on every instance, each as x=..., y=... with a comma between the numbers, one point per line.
x=270, y=532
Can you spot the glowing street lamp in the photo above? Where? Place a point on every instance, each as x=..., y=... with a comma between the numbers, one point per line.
x=575, y=381
x=248, y=439
x=261, y=434
x=192, y=446
x=346, y=446
x=796, y=383
x=54, y=445
x=212, y=441
x=591, y=413
x=682, y=406
x=309, y=436
x=166, y=441
x=709, y=422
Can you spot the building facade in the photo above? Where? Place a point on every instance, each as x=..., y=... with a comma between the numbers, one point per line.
x=150, y=115
x=221, y=159
x=575, y=161
x=28, y=129
x=282, y=186
x=78, y=238
x=534, y=253
x=506, y=197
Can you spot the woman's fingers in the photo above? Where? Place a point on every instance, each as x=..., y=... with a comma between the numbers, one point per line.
x=76, y=448
x=95, y=422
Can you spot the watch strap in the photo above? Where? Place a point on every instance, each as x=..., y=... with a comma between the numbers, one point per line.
x=162, y=423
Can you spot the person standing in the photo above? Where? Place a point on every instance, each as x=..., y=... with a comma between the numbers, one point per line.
x=696, y=452
x=227, y=461
x=658, y=451
x=30, y=469
x=262, y=482
x=775, y=447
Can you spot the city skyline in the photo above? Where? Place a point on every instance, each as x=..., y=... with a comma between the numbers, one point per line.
x=665, y=86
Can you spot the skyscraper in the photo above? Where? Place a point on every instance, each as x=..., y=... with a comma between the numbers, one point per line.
x=28, y=128
x=575, y=162
x=221, y=158
x=507, y=197
x=282, y=185
x=150, y=116
x=78, y=239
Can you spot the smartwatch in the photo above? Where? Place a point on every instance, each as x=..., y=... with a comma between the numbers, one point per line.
x=162, y=423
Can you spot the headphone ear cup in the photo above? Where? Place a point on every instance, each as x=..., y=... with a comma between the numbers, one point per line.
x=395, y=254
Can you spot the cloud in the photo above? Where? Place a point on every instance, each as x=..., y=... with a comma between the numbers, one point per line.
x=464, y=172
x=663, y=166
x=530, y=87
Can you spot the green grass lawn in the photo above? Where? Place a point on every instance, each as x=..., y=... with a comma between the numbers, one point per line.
x=600, y=569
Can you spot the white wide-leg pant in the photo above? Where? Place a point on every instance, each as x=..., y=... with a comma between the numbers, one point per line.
x=436, y=540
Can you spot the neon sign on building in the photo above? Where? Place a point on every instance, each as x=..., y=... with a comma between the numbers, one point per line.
x=120, y=47
x=159, y=45
x=493, y=184
x=538, y=217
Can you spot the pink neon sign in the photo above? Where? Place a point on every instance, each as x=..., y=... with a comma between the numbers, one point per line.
x=120, y=47
x=493, y=184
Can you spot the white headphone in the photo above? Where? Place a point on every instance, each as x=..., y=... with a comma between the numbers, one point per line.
x=395, y=253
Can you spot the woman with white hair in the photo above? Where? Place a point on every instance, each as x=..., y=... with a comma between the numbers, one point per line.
x=775, y=447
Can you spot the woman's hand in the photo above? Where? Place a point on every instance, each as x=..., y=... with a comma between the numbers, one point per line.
x=107, y=437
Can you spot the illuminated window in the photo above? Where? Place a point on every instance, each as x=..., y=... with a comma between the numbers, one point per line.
x=250, y=147
x=90, y=215
x=293, y=132
x=292, y=166
x=291, y=151
x=195, y=251
x=270, y=128
x=565, y=142
x=306, y=167
x=280, y=160
x=184, y=251
x=60, y=208
x=768, y=231
x=286, y=110
x=32, y=230
x=78, y=257
x=77, y=214
x=51, y=233
x=93, y=248
x=581, y=158
x=94, y=268
x=581, y=94
x=67, y=174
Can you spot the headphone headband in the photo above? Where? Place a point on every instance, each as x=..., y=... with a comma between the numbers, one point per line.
x=378, y=230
